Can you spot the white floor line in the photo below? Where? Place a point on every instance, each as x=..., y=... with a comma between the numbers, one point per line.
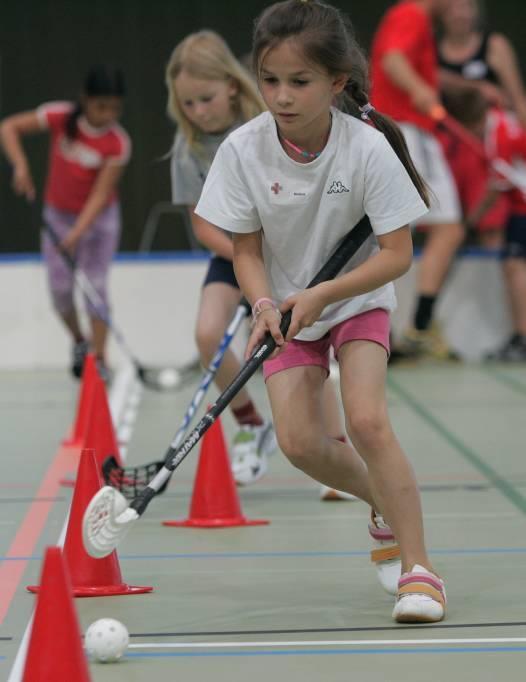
x=326, y=643
x=117, y=400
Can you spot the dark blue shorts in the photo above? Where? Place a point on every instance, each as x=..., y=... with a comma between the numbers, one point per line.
x=515, y=238
x=221, y=270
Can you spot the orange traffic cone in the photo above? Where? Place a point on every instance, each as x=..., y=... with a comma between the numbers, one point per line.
x=78, y=431
x=100, y=434
x=90, y=577
x=55, y=648
x=215, y=502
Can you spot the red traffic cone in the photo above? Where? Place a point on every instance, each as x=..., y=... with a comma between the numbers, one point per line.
x=90, y=577
x=55, y=648
x=100, y=434
x=215, y=503
x=78, y=431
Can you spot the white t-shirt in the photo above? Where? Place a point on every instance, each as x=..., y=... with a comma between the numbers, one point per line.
x=306, y=209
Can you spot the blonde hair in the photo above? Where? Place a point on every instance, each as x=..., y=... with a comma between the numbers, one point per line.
x=206, y=55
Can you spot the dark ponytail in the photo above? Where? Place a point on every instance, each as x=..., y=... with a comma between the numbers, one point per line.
x=357, y=99
x=327, y=38
x=100, y=81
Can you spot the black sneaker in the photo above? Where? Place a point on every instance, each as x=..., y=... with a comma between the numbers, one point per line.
x=514, y=350
x=80, y=350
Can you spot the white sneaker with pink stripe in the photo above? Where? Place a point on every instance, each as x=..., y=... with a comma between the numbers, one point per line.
x=421, y=597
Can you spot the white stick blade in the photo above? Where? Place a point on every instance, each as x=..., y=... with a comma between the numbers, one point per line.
x=106, y=521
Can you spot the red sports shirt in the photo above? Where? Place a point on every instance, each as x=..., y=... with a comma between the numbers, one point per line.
x=406, y=28
x=473, y=179
x=506, y=140
x=75, y=164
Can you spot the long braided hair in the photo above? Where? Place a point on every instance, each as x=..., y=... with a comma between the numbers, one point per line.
x=327, y=39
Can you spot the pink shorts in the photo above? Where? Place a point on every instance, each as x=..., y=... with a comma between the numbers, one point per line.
x=372, y=325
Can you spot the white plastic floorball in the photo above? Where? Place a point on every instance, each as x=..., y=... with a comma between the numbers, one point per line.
x=106, y=640
x=168, y=378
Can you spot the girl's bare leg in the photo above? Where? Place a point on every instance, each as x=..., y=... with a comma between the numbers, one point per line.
x=363, y=367
x=296, y=397
x=442, y=243
x=216, y=310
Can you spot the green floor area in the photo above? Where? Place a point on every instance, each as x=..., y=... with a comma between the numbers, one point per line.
x=298, y=599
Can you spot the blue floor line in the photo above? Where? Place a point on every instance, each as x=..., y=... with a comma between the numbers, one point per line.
x=277, y=555
x=328, y=652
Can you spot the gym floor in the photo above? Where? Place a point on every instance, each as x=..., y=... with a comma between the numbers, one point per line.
x=297, y=599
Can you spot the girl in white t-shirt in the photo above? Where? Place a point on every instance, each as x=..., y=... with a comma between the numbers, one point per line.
x=290, y=184
x=210, y=95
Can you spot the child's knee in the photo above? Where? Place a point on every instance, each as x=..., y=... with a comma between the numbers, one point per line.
x=369, y=427
x=298, y=445
x=207, y=338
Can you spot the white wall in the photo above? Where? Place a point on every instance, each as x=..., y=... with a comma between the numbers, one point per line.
x=155, y=304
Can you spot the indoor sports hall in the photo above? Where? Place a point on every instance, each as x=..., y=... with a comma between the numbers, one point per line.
x=173, y=506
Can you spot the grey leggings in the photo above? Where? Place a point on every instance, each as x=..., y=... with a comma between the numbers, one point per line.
x=93, y=255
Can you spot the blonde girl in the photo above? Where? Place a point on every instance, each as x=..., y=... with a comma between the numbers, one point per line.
x=209, y=95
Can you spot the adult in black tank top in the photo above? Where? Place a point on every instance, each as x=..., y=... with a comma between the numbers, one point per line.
x=471, y=57
x=476, y=66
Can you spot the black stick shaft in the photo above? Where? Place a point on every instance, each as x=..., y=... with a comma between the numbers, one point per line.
x=343, y=253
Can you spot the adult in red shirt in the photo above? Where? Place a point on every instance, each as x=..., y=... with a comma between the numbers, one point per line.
x=88, y=151
x=404, y=78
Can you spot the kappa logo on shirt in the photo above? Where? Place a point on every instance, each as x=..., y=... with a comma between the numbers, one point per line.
x=337, y=187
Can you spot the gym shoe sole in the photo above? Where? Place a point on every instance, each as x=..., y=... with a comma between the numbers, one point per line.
x=332, y=495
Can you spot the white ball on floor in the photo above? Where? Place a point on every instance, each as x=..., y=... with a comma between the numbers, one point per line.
x=168, y=378
x=106, y=640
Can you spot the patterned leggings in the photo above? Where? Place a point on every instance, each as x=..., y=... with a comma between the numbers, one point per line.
x=93, y=255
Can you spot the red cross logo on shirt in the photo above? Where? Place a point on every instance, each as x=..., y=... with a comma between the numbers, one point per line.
x=276, y=187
